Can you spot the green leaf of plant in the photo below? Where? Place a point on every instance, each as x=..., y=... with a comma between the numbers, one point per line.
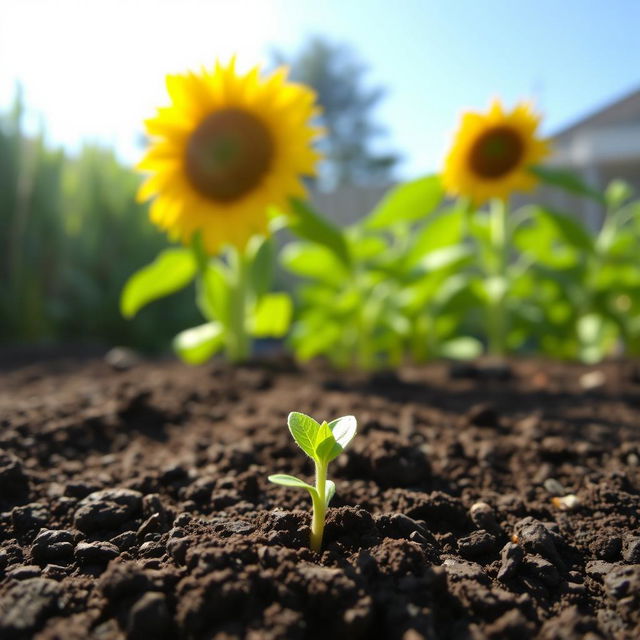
x=445, y=257
x=330, y=491
x=313, y=261
x=407, y=202
x=213, y=293
x=316, y=334
x=568, y=181
x=262, y=252
x=290, y=481
x=198, y=344
x=304, y=430
x=272, y=316
x=312, y=226
x=323, y=433
x=172, y=270
x=568, y=228
x=328, y=450
x=343, y=429
x=441, y=230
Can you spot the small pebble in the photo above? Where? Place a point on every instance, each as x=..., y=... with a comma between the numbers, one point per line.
x=121, y=358
x=151, y=549
x=566, y=503
x=51, y=545
x=483, y=517
x=96, y=552
x=592, y=380
x=24, y=572
x=107, y=509
x=554, y=487
x=29, y=517
x=125, y=541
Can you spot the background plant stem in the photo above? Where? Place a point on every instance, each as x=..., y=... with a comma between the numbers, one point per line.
x=238, y=342
x=498, y=325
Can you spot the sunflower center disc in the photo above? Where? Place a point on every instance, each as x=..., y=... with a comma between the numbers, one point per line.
x=496, y=152
x=228, y=154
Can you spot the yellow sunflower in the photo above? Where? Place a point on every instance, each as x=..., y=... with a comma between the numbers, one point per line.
x=227, y=148
x=492, y=153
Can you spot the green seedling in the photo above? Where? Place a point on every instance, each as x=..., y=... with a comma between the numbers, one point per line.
x=322, y=443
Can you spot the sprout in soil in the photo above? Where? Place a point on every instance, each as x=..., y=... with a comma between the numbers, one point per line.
x=322, y=443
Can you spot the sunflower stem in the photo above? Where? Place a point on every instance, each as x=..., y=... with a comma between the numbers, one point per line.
x=498, y=325
x=238, y=345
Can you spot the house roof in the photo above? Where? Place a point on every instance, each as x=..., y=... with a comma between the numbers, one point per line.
x=622, y=110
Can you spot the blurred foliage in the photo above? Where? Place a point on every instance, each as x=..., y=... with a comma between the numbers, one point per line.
x=420, y=277
x=337, y=75
x=427, y=278
x=71, y=233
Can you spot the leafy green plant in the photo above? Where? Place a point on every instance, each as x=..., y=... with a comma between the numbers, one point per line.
x=399, y=291
x=232, y=293
x=586, y=283
x=233, y=289
x=322, y=443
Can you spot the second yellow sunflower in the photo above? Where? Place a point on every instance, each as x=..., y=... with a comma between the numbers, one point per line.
x=492, y=154
x=227, y=148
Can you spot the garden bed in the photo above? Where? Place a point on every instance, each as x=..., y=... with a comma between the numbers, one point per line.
x=135, y=503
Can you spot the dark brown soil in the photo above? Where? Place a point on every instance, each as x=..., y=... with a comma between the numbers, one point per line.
x=135, y=504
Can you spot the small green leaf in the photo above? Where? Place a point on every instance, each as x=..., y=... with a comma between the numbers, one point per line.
x=330, y=491
x=272, y=316
x=172, y=270
x=343, y=429
x=304, y=430
x=568, y=181
x=312, y=226
x=408, y=202
x=198, y=344
x=323, y=433
x=290, y=481
x=328, y=450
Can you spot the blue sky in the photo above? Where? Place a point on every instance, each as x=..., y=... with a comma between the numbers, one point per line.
x=93, y=70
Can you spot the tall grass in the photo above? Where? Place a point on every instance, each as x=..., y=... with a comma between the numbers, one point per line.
x=71, y=233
